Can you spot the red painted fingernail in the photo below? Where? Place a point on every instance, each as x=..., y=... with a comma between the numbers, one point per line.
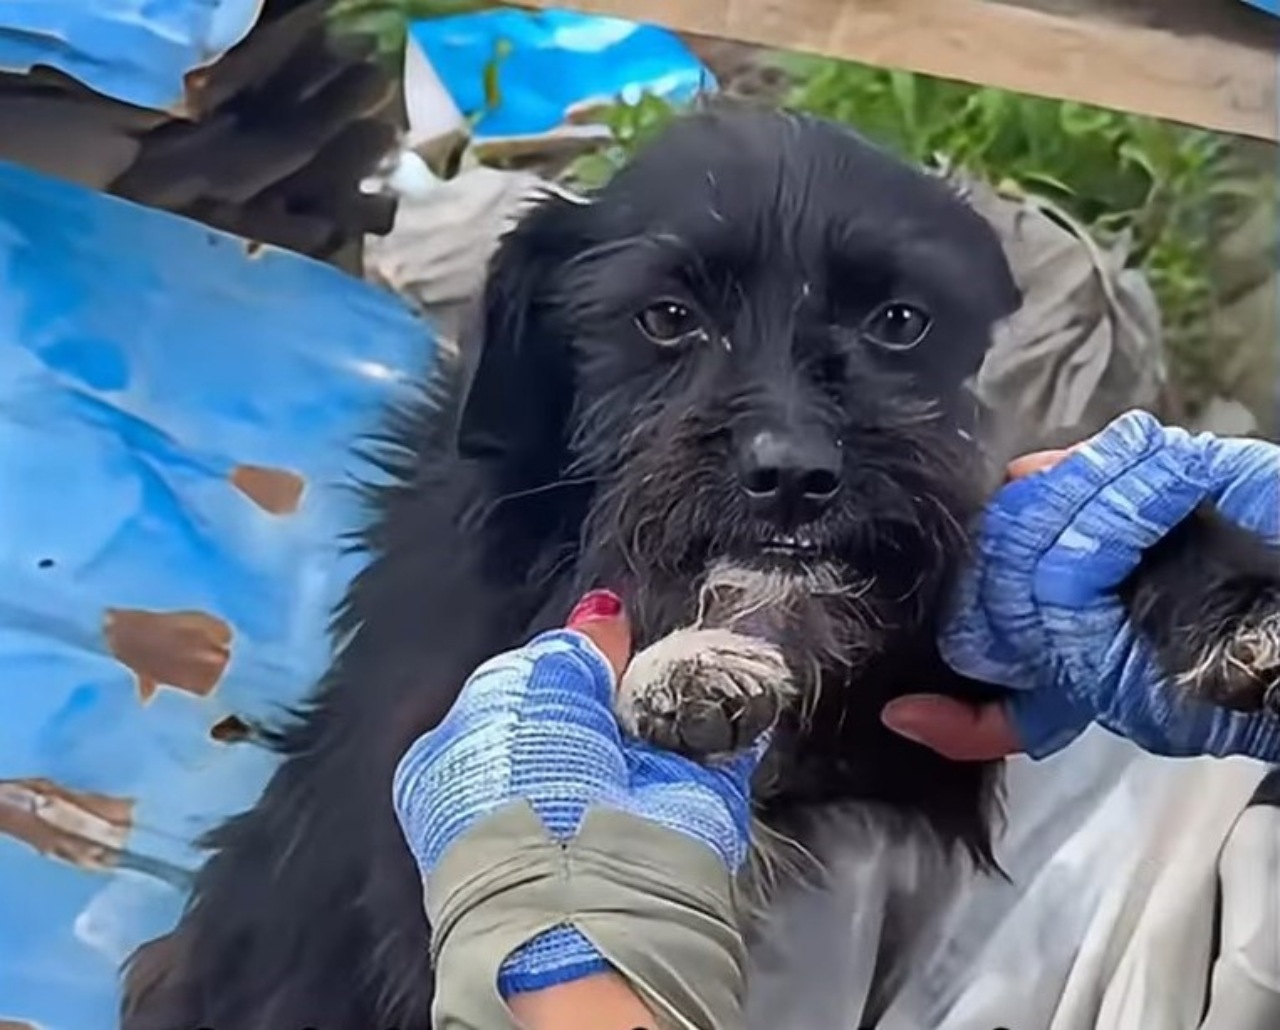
x=598, y=604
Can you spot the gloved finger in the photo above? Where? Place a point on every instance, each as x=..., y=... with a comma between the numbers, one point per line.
x=565, y=675
x=1246, y=483
x=1126, y=489
x=958, y=730
x=997, y=600
x=973, y=640
x=968, y=641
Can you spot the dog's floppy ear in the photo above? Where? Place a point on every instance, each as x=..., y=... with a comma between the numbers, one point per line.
x=520, y=380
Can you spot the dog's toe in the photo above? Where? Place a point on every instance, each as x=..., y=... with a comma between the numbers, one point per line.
x=704, y=692
x=1241, y=669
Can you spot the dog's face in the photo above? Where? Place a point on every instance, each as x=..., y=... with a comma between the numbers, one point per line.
x=751, y=346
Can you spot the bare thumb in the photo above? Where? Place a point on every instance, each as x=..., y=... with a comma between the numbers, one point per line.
x=601, y=617
x=955, y=729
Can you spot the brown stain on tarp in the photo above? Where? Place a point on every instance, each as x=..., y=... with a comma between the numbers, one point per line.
x=16, y=1024
x=276, y=491
x=183, y=650
x=77, y=827
x=230, y=730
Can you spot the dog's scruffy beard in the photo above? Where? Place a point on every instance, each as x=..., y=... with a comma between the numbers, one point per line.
x=850, y=595
x=668, y=511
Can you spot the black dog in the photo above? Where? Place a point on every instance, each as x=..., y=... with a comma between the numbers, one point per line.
x=751, y=347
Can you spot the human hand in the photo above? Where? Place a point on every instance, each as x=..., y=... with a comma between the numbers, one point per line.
x=1039, y=610
x=537, y=724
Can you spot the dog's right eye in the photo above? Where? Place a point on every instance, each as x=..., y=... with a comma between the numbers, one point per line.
x=897, y=325
x=668, y=323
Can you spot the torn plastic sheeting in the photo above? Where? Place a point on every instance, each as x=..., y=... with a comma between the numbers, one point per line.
x=546, y=63
x=134, y=52
x=176, y=428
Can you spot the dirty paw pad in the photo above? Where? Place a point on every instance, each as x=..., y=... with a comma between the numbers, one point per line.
x=704, y=692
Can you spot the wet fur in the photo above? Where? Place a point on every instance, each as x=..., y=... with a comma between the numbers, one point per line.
x=589, y=457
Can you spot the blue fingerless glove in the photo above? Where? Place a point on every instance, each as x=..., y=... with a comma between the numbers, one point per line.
x=1038, y=610
x=537, y=723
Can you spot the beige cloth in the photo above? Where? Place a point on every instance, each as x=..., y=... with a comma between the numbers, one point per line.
x=1112, y=920
x=658, y=904
x=1086, y=344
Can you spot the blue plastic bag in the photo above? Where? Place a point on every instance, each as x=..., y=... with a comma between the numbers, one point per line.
x=140, y=53
x=548, y=62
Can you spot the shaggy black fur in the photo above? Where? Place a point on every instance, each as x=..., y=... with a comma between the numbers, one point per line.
x=666, y=374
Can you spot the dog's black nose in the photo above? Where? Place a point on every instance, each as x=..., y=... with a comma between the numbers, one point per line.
x=789, y=477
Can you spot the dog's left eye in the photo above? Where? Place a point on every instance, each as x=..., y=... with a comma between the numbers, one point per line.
x=669, y=322
x=897, y=325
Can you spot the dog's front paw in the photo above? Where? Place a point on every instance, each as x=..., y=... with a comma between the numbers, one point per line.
x=1239, y=667
x=704, y=692
x=1208, y=598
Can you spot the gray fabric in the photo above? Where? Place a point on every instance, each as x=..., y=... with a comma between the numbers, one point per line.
x=658, y=905
x=1086, y=344
x=436, y=254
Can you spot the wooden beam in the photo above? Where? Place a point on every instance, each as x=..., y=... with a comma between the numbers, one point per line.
x=1167, y=70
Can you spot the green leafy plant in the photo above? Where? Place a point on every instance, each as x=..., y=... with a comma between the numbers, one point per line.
x=630, y=125
x=386, y=20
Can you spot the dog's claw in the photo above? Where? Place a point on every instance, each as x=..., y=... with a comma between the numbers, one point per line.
x=704, y=692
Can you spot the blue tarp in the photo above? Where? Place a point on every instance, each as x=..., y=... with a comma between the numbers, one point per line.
x=132, y=51
x=547, y=62
x=155, y=378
